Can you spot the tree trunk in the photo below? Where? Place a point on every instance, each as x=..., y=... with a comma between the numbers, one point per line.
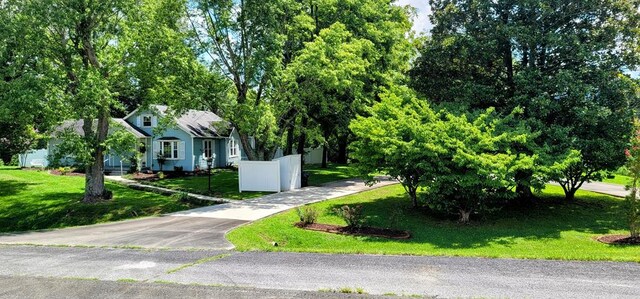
x=523, y=191
x=414, y=197
x=288, y=150
x=246, y=145
x=570, y=194
x=94, y=190
x=302, y=139
x=343, y=142
x=507, y=54
x=6, y=158
x=464, y=216
x=324, y=156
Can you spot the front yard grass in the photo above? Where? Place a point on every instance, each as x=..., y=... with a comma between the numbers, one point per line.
x=31, y=200
x=224, y=184
x=333, y=172
x=618, y=179
x=554, y=229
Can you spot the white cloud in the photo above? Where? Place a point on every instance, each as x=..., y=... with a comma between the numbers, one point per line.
x=421, y=23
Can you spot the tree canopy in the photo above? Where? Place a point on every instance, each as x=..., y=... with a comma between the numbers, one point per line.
x=271, y=53
x=562, y=62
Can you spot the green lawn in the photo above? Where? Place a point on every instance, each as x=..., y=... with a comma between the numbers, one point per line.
x=224, y=184
x=333, y=172
x=618, y=180
x=553, y=230
x=32, y=200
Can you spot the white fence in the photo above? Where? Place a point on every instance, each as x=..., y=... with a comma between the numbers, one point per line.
x=290, y=172
x=311, y=155
x=282, y=174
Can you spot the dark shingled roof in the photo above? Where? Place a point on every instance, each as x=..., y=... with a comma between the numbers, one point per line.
x=199, y=123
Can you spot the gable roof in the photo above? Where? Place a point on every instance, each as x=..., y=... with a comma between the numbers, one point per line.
x=132, y=129
x=198, y=123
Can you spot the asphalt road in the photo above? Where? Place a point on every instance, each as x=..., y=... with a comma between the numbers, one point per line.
x=44, y=287
x=401, y=275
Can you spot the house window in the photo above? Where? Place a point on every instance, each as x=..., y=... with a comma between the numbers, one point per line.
x=169, y=149
x=233, y=147
x=207, y=148
x=146, y=121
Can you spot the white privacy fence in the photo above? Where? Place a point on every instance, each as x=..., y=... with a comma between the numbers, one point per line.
x=282, y=174
x=290, y=172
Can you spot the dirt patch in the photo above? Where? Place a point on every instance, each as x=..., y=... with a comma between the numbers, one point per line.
x=364, y=231
x=618, y=240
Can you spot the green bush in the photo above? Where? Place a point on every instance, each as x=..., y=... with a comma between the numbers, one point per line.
x=64, y=170
x=14, y=161
x=181, y=196
x=353, y=216
x=161, y=175
x=468, y=164
x=307, y=214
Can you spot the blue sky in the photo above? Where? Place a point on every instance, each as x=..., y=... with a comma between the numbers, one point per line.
x=421, y=23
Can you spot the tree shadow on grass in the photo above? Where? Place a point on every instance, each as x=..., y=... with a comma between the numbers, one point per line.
x=13, y=187
x=593, y=214
x=49, y=210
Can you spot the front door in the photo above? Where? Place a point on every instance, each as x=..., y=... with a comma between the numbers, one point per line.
x=144, y=155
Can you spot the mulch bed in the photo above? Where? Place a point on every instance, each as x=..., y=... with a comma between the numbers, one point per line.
x=364, y=231
x=57, y=172
x=144, y=176
x=619, y=240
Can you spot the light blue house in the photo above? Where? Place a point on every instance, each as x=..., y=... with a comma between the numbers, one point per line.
x=185, y=142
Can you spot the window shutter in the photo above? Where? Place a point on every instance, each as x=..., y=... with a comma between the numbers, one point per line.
x=139, y=121
x=156, y=149
x=181, y=151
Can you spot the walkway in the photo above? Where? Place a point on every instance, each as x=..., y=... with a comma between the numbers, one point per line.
x=136, y=185
x=254, y=209
x=202, y=228
x=604, y=188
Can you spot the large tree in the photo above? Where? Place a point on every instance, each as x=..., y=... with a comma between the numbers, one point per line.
x=244, y=40
x=328, y=77
x=97, y=51
x=381, y=23
x=254, y=44
x=28, y=104
x=563, y=62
